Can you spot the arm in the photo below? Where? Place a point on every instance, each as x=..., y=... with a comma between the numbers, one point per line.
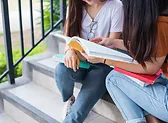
x=80, y=56
x=110, y=42
x=71, y=59
x=151, y=67
x=117, y=43
x=114, y=35
x=68, y=47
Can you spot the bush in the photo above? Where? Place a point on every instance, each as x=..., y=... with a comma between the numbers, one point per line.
x=56, y=13
x=16, y=56
x=1, y=34
x=2, y=64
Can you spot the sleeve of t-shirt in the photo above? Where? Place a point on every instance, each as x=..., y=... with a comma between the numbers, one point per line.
x=117, y=20
x=162, y=46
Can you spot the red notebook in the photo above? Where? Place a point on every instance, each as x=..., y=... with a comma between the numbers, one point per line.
x=150, y=79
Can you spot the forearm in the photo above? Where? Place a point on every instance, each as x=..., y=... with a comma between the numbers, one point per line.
x=80, y=56
x=67, y=48
x=115, y=35
x=119, y=44
x=136, y=68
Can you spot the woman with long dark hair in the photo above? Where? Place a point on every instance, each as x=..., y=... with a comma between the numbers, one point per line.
x=145, y=37
x=87, y=19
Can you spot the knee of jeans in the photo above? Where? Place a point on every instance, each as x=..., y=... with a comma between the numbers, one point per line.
x=60, y=70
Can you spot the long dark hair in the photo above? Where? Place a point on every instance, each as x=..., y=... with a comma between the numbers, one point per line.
x=140, y=28
x=75, y=13
x=163, y=7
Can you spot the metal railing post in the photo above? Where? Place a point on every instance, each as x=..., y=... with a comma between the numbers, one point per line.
x=42, y=17
x=51, y=14
x=7, y=32
x=7, y=41
x=21, y=27
x=32, y=22
x=63, y=12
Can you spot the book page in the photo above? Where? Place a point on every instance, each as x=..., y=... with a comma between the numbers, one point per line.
x=139, y=82
x=96, y=50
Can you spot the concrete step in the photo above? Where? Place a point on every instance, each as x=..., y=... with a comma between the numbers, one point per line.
x=42, y=73
x=4, y=118
x=32, y=103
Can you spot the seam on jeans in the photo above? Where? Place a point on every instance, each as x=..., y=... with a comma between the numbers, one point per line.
x=134, y=83
x=109, y=85
x=166, y=101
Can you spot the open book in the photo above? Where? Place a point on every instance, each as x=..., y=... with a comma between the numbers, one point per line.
x=96, y=50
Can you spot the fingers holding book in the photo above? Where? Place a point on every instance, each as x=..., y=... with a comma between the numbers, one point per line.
x=97, y=40
x=71, y=60
x=108, y=42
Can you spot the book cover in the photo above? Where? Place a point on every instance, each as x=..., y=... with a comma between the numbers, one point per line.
x=149, y=79
x=60, y=58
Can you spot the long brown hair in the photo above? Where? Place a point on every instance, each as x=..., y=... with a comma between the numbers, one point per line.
x=75, y=13
x=140, y=28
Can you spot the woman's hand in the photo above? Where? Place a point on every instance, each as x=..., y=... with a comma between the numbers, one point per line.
x=111, y=43
x=93, y=59
x=107, y=42
x=71, y=60
x=80, y=56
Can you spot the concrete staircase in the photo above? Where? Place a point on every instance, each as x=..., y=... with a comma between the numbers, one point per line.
x=4, y=118
x=37, y=100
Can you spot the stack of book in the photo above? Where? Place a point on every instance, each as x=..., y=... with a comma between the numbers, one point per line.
x=141, y=79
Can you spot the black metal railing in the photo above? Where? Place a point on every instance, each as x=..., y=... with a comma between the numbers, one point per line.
x=7, y=32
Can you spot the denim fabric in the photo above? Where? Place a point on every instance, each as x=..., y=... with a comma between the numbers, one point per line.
x=132, y=99
x=93, y=88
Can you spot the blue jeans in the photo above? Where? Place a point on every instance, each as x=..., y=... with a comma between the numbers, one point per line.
x=93, y=88
x=133, y=99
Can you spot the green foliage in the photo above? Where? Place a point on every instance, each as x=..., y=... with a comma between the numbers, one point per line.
x=39, y=49
x=1, y=34
x=2, y=64
x=17, y=56
x=56, y=13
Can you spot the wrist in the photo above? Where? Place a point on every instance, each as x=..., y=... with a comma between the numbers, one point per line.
x=70, y=49
x=115, y=43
